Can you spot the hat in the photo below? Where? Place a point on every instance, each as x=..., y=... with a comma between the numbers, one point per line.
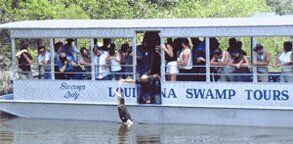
x=258, y=47
x=70, y=39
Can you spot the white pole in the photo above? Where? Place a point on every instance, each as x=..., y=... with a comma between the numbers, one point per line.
x=92, y=58
x=13, y=59
x=52, y=56
x=163, y=65
x=253, y=58
x=134, y=54
x=207, y=41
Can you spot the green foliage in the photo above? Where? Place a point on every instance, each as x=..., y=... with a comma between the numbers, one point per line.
x=281, y=7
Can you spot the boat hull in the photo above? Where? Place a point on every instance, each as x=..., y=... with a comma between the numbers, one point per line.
x=151, y=113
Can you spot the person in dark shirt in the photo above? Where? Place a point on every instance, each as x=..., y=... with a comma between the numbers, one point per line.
x=68, y=67
x=145, y=58
x=150, y=86
x=199, y=59
x=106, y=43
x=24, y=63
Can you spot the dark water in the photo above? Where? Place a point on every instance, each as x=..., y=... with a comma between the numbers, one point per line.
x=22, y=131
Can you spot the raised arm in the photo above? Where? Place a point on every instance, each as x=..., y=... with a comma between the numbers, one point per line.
x=168, y=49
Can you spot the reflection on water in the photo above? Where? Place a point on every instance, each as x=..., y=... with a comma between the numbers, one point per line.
x=17, y=130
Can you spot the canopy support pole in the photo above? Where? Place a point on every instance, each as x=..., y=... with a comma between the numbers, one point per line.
x=207, y=43
x=52, y=60
x=253, y=58
x=13, y=59
x=92, y=59
x=163, y=64
x=134, y=54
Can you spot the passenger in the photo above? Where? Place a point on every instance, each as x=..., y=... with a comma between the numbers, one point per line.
x=184, y=61
x=232, y=45
x=241, y=69
x=106, y=43
x=102, y=69
x=58, y=49
x=24, y=63
x=128, y=61
x=262, y=62
x=114, y=61
x=70, y=49
x=84, y=59
x=285, y=61
x=145, y=58
x=122, y=54
x=199, y=59
x=150, y=86
x=44, y=61
x=171, y=59
x=68, y=67
x=222, y=60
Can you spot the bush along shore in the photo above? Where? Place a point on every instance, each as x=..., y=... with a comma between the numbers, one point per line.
x=5, y=75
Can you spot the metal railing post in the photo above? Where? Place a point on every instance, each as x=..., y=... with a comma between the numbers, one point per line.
x=92, y=58
x=13, y=59
x=163, y=64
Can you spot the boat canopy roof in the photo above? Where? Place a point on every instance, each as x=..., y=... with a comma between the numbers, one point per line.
x=267, y=26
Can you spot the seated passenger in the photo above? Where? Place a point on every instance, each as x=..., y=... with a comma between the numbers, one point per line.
x=171, y=60
x=222, y=60
x=184, y=61
x=285, y=61
x=241, y=69
x=114, y=62
x=262, y=63
x=44, y=61
x=84, y=59
x=151, y=88
x=24, y=62
x=102, y=70
x=68, y=67
x=70, y=49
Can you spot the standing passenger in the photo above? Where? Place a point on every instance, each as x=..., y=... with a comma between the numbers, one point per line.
x=185, y=61
x=171, y=57
x=285, y=62
x=199, y=59
x=58, y=48
x=24, y=63
x=262, y=63
x=114, y=61
x=102, y=69
x=145, y=58
x=44, y=60
x=84, y=59
x=223, y=59
x=70, y=49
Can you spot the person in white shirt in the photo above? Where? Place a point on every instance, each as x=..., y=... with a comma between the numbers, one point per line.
x=44, y=61
x=114, y=61
x=184, y=61
x=286, y=63
x=221, y=60
x=102, y=70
